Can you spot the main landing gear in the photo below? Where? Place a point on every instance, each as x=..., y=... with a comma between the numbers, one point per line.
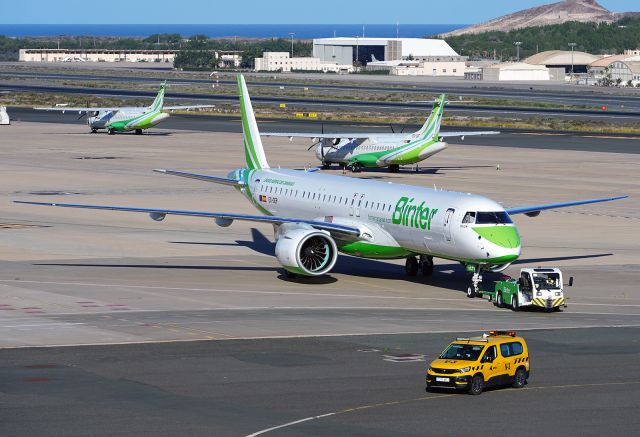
x=394, y=168
x=476, y=279
x=425, y=265
x=356, y=167
x=138, y=131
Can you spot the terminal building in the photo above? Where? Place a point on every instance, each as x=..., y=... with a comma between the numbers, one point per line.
x=96, y=55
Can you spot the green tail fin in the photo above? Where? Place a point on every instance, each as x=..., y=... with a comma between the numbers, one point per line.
x=159, y=101
x=431, y=128
x=253, y=150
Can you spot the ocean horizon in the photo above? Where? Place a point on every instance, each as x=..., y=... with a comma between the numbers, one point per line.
x=301, y=31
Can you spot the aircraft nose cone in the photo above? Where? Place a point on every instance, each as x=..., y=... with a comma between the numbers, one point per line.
x=503, y=236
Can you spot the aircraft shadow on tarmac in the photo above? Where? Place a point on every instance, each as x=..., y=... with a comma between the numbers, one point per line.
x=450, y=276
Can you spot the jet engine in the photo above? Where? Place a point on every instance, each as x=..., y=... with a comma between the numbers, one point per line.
x=307, y=252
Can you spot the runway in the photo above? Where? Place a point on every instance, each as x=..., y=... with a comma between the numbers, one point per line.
x=556, y=93
x=112, y=323
x=554, y=140
x=610, y=115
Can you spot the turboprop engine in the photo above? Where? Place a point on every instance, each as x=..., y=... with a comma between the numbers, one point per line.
x=306, y=251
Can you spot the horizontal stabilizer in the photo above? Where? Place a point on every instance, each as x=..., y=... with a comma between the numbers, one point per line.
x=206, y=178
x=535, y=209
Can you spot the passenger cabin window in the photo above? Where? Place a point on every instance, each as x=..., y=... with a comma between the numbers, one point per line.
x=469, y=217
x=492, y=218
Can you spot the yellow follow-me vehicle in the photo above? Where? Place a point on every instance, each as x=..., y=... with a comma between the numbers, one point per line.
x=472, y=364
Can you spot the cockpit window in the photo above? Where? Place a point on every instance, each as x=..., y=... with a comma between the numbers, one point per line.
x=492, y=218
x=469, y=217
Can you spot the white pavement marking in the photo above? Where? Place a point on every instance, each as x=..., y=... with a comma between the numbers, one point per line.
x=279, y=293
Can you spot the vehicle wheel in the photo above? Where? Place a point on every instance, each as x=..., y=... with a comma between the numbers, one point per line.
x=499, y=300
x=93, y=131
x=476, y=386
x=394, y=168
x=428, y=388
x=520, y=378
x=326, y=166
x=515, y=306
x=111, y=131
x=471, y=292
x=557, y=310
x=411, y=266
x=138, y=131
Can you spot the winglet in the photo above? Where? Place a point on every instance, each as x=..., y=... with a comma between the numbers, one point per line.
x=253, y=150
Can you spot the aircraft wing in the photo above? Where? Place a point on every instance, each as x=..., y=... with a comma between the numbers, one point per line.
x=534, y=210
x=340, y=231
x=358, y=135
x=187, y=107
x=468, y=134
x=75, y=109
x=369, y=135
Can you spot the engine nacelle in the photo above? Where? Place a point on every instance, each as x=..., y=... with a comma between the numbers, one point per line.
x=306, y=252
x=223, y=222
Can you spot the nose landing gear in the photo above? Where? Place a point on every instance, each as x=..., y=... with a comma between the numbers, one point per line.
x=473, y=290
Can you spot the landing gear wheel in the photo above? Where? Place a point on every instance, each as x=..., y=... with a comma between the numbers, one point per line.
x=499, y=300
x=426, y=265
x=356, y=167
x=326, y=166
x=94, y=130
x=411, y=266
x=111, y=131
x=471, y=292
x=476, y=386
x=394, y=168
x=519, y=379
x=138, y=131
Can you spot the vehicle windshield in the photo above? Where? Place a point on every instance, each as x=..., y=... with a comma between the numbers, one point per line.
x=547, y=281
x=467, y=352
x=492, y=218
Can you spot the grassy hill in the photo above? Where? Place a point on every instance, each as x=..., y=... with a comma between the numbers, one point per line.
x=591, y=37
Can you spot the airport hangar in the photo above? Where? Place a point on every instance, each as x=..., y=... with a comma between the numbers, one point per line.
x=435, y=55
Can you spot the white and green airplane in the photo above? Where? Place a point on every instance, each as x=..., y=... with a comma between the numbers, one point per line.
x=375, y=149
x=317, y=215
x=125, y=119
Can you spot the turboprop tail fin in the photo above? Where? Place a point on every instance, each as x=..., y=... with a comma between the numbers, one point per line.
x=253, y=150
x=431, y=128
x=159, y=101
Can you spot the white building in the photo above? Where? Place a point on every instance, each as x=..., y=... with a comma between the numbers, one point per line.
x=228, y=58
x=96, y=55
x=521, y=71
x=401, y=56
x=282, y=61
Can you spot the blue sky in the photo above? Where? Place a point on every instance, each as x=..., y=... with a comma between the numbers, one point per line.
x=268, y=11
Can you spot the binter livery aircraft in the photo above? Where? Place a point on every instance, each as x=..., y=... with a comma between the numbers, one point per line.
x=369, y=150
x=316, y=215
x=126, y=119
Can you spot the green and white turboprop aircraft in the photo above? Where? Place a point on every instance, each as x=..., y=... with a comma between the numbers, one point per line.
x=370, y=150
x=317, y=215
x=124, y=119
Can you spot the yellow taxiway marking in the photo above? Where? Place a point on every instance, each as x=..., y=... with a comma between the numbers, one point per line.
x=425, y=398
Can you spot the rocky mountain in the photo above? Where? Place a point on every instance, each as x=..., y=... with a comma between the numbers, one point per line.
x=555, y=13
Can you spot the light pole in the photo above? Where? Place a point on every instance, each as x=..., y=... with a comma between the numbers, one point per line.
x=357, y=50
x=572, y=45
x=518, y=44
x=291, y=33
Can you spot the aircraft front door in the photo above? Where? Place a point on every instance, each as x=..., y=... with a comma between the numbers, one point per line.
x=446, y=227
